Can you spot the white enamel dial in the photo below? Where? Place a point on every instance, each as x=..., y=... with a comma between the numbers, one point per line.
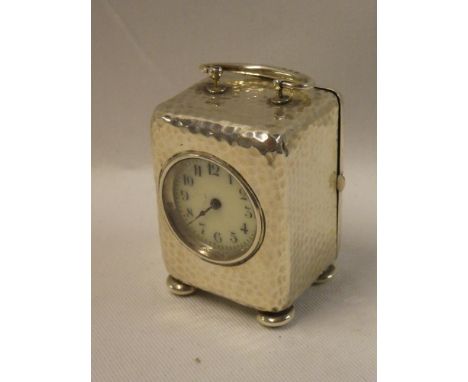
x=211, y=208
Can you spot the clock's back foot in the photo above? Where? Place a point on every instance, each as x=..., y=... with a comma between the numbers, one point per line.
x=276, y=319
x=178, y=288
x=326, y=275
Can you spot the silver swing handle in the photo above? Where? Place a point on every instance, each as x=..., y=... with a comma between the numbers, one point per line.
x=281, y=78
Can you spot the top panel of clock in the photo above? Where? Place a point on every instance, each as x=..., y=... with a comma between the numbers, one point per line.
x=244, y=111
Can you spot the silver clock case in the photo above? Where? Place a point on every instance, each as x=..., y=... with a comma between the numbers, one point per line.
x=288, y=154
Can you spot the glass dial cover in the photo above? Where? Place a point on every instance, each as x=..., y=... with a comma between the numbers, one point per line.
x=211, y=208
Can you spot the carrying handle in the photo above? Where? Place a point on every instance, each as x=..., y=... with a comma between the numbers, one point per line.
x=281, y=78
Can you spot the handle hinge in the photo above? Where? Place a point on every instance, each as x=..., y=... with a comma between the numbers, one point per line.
x=281, y=78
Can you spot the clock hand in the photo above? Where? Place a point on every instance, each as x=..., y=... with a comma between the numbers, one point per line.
x=202, y=213
x=214, y=204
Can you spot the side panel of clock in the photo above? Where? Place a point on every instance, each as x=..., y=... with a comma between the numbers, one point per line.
x=263, y=281
x=312, y=197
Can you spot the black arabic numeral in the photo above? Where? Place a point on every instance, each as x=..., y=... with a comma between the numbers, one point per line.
x=184, y=195
x=244, y=228
x=197, y=170
x=242, y=194
x=248, y=212
x=213, y=169
x=233, y=237
x=217, y=237
x=202, y=225
x=188, y=180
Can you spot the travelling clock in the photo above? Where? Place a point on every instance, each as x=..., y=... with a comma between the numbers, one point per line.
x=247, y=166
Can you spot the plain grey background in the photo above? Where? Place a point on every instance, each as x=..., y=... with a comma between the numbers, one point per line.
x=147, y=51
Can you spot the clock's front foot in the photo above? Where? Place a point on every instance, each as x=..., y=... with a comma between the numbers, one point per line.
x=326, y=275
x=275, y=319
x=178, y=288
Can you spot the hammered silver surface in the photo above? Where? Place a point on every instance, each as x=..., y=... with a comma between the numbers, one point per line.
x=312, y=202
x=295, y=184
x=244, y=114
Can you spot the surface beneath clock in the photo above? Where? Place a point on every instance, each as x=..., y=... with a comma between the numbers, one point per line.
x=140, y=332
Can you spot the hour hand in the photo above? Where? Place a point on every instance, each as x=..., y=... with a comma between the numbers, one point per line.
x=214, y=204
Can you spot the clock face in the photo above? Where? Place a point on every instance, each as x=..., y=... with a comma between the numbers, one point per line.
x=211, y=208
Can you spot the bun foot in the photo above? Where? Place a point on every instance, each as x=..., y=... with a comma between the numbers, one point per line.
x=178, y=288
x=326, y=275
x=276, y=319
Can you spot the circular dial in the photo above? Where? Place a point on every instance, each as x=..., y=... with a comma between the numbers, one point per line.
x=211, y=208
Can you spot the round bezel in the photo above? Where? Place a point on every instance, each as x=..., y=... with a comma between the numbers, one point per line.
x=204, y=250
